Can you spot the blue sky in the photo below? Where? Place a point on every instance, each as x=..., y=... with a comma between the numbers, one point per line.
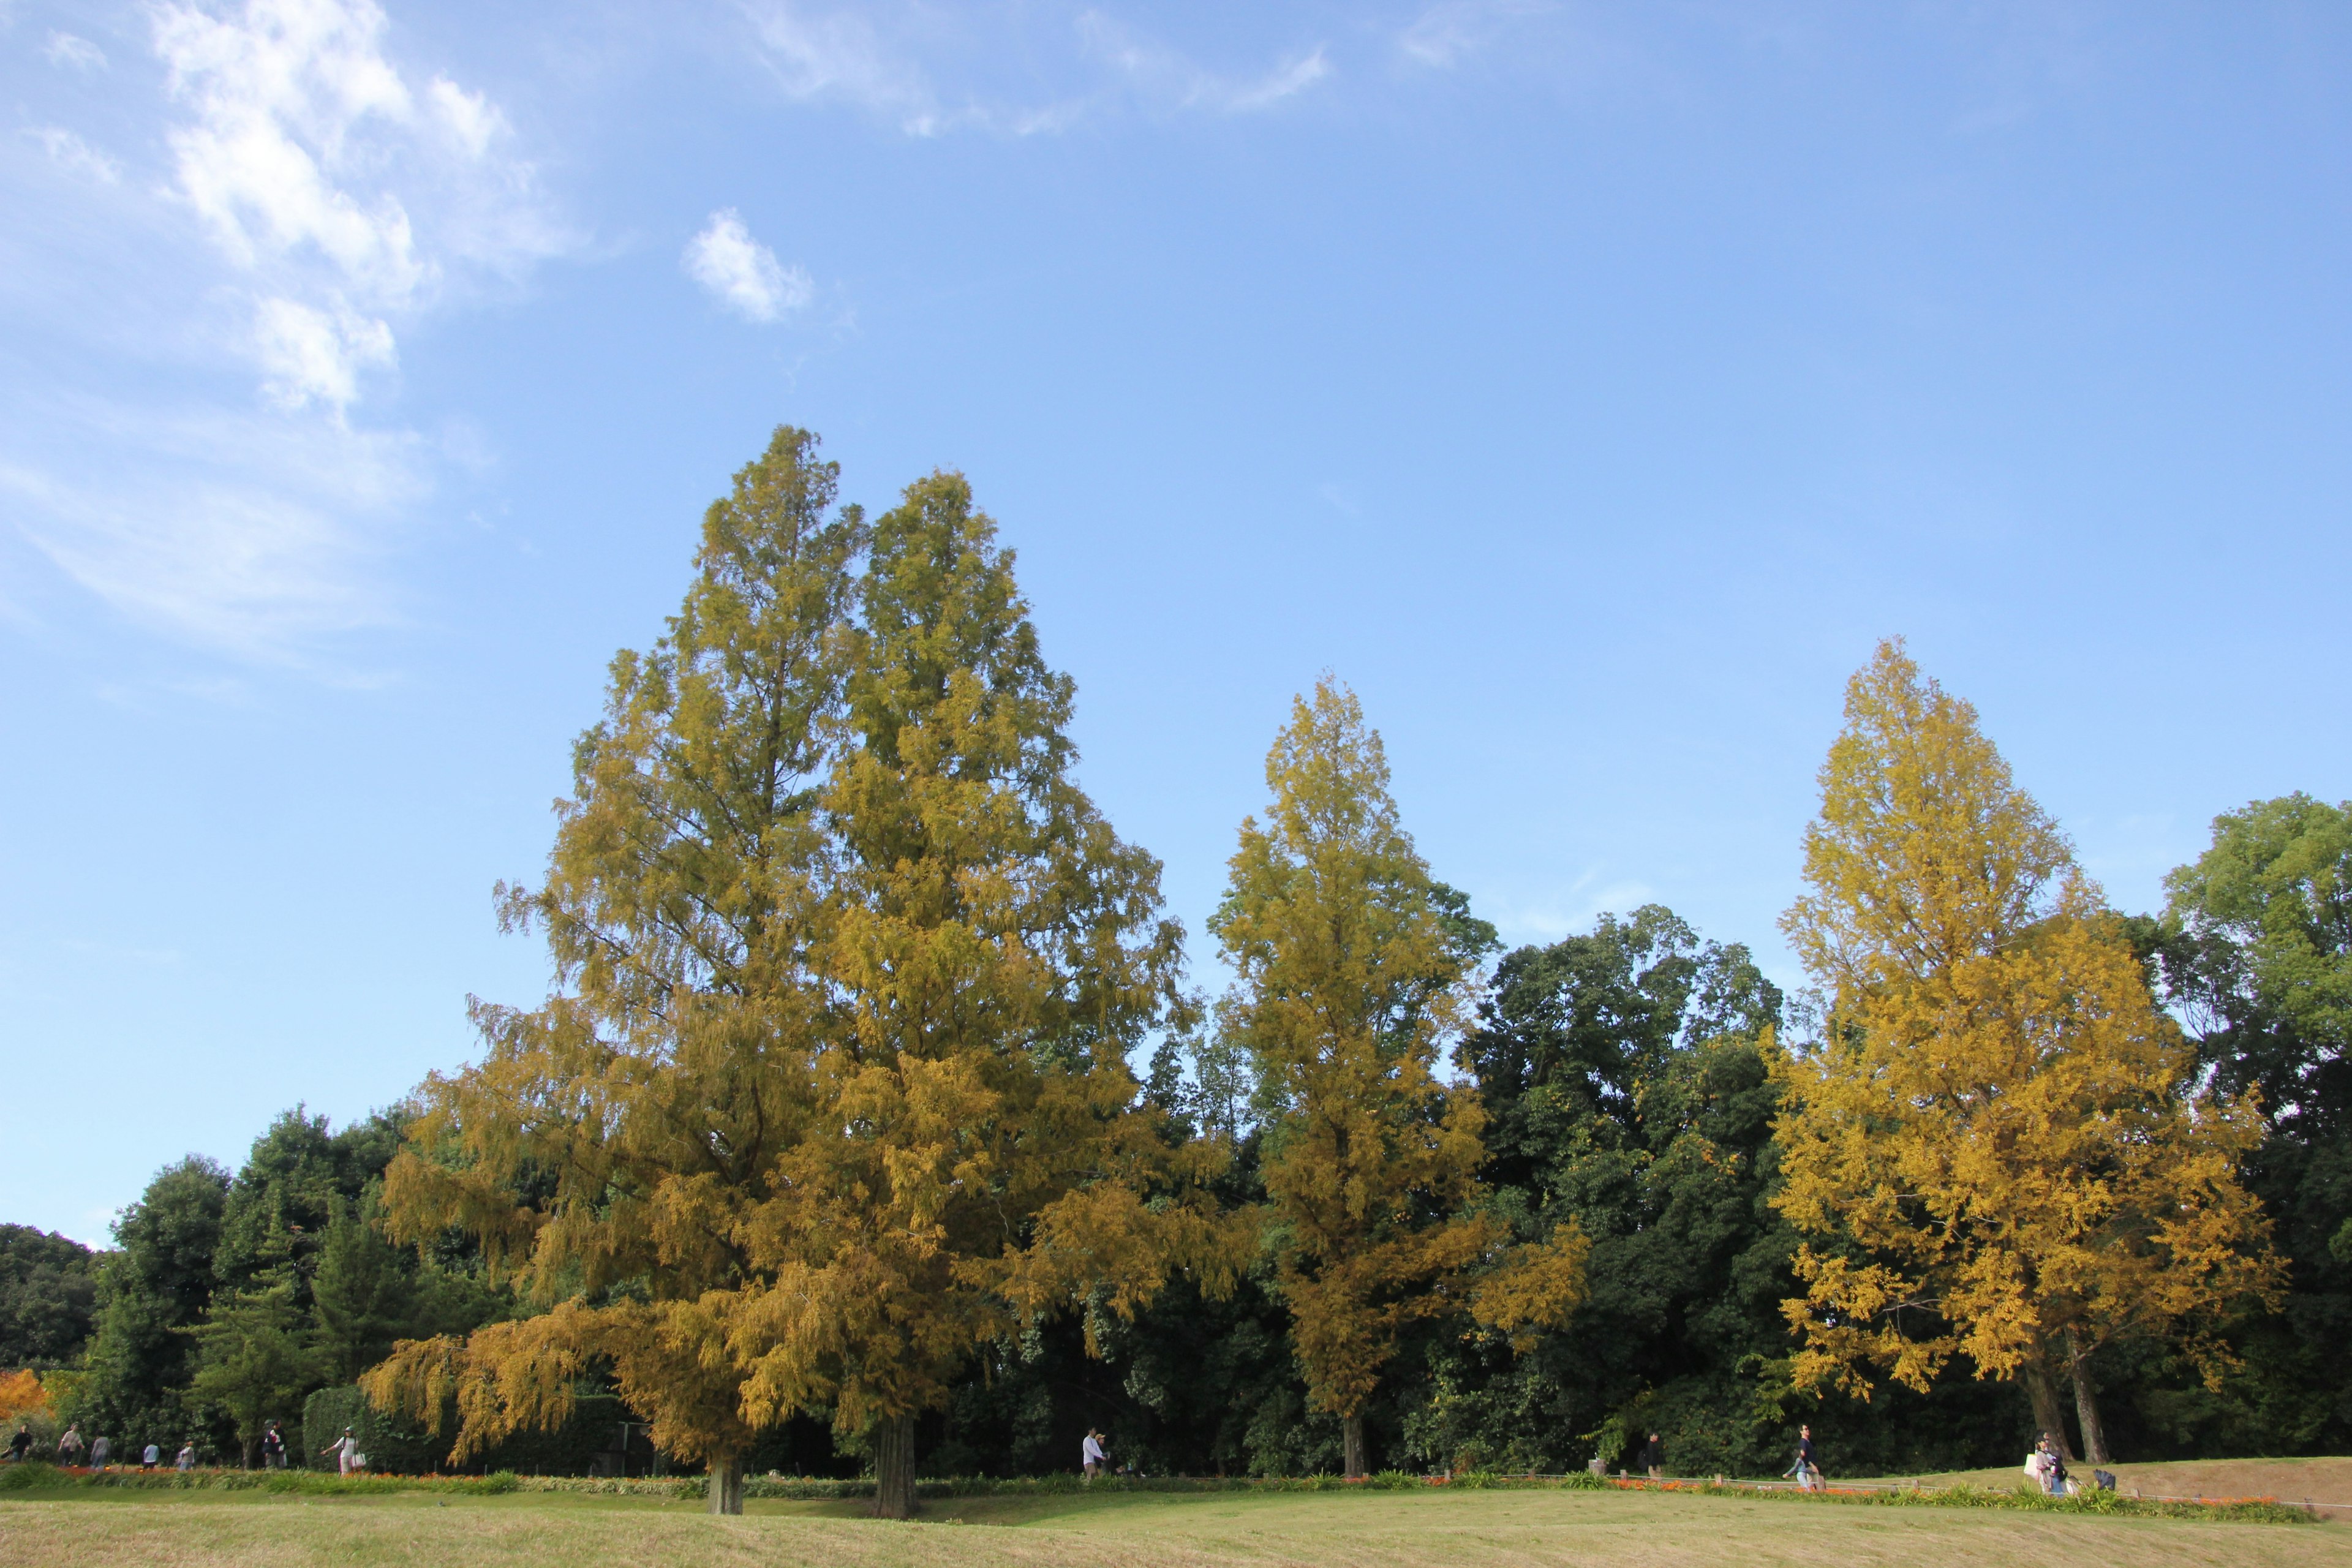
x=1590, y=386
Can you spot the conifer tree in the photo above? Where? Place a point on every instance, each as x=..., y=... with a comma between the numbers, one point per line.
x=976, y=1156
x=640, y=1113
x=1351, y=982
x=2000, y=1150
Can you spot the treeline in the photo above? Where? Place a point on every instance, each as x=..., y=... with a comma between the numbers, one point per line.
x=829, y=1156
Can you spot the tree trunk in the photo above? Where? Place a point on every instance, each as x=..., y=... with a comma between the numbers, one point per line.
x=245, y=1445
x=893, y=1468
x=2048, y=1416
x=727, y=1483
x=1351, y=1440
x=2086, y=1401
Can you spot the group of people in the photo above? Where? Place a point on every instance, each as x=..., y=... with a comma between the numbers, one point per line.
x=99, y=1451
x=2046, y=1468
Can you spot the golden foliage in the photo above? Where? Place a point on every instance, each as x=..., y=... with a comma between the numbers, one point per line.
x=837, y=1091
x=21, y=1395
x=1350, y=985
x=1999, y=1145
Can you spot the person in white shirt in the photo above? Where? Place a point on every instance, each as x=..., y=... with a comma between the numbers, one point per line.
x=346, y=1449
x=1091, y=1453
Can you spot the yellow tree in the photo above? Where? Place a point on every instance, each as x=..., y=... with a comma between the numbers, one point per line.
x=975, y=1156
x=1351, y=981
x=2000, y=1150
x=612, y=1146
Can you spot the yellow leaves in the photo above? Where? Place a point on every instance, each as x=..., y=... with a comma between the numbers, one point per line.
x=1533, y=1286
x=2001, y=1125
x=21, y=1395
x=1348, y=989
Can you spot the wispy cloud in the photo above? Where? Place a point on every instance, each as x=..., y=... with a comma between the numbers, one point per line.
x=1163, y=75
x=843, y=54
x=292, y=105
x=1451, y=32
x=79, y=54
x=742, y=274
x=247, y=532
x=74, y=155
x=316, y=197
x=924, y=67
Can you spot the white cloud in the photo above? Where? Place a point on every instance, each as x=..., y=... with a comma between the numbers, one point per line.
x=301, y=130
x=65, y=49
x=841, y=54
x=891, y=59
x=1163, y=76
x=315, y=197
x=743, y=274
x=1448, y=33
x=75, y=156
x=234, y=531
x=315, y=356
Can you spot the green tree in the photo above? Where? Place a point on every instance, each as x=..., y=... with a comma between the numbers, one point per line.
x=158, y=1281
x=254, y=1359
x=294, y=1179
x=2256, y=954
x=1351, y=966
x=48, y=1296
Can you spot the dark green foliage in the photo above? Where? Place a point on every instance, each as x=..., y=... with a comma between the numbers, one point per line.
x=295, y=1179
x=588, y=1444
x=48, y=1296
x=2254, y=952
x=157, y=1284
x=1625, y=1083
x=367, y=1294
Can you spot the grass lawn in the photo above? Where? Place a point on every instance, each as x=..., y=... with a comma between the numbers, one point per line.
x=1408, y=1530
x=2318, y=1482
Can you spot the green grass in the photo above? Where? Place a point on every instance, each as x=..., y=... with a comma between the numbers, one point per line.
x=88, y=1527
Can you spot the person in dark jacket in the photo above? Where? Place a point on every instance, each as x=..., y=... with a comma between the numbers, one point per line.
x=1654, y=1457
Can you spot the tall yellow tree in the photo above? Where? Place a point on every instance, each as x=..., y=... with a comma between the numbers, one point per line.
x=1350, y=984
x=838, y=1089
x=612, y=1146
x=977, y=1157
x=2000, y=1150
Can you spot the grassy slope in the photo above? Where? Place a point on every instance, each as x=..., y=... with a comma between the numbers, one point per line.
x=1467, y=1529
x=2322, y=1481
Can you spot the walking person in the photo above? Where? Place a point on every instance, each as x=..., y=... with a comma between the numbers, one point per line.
x=346, y=1449
x=1653, y=1457
x=273, y=1447
x=187, y=1460
x=152, y=1457
x=69, y=1448
x=20, y=1445
x=1807, y=1468
x=1091, y=1453
x=97, y=1448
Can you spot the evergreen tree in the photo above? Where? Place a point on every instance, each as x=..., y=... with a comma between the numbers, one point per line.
x=253, y=1356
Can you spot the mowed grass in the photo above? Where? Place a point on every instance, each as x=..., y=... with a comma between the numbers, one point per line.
x=1410, y=1529
x=2318, y=1481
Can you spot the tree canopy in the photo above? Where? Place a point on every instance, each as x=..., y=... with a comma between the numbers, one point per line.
x=2001, y=1142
